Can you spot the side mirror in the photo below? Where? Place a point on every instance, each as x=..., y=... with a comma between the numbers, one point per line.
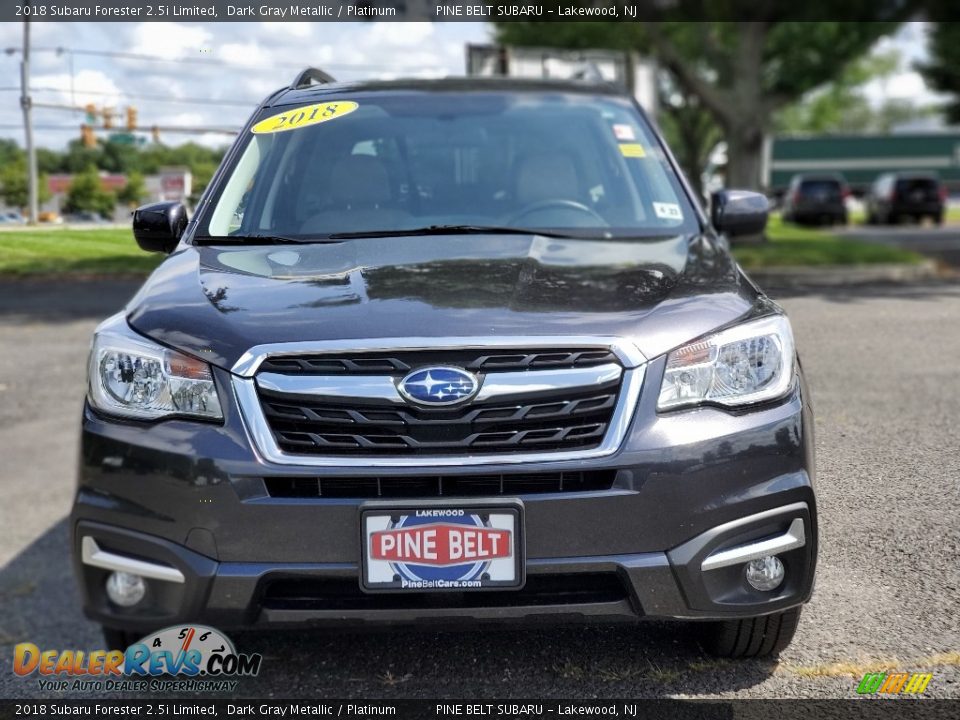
x=739, y=212
x=157, y=227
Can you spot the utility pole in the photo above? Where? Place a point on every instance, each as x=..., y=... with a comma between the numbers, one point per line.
x=26, y=104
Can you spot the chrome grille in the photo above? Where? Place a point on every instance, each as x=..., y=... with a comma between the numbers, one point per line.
x=545, y=400
x=549, y=398
x=567, y=418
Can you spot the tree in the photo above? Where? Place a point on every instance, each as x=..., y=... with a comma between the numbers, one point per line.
x=688, y=129
x=120, y=157
x=741, y=73
x=10, y=152
x=87, y=195
x=134, y=191
x=942, y=71
x=13, y=184
x=843, y=106
x=202, y=175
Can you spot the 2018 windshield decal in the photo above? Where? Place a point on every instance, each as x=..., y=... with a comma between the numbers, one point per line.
x=300, y=117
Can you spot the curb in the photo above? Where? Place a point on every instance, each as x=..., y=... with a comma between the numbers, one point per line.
x=839, y=275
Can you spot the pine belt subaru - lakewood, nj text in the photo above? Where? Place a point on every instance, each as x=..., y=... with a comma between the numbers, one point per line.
x=447, y=351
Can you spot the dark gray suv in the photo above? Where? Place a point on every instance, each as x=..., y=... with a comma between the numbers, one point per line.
x=447, y=351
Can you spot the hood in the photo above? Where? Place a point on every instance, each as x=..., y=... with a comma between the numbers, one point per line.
x=217, y=302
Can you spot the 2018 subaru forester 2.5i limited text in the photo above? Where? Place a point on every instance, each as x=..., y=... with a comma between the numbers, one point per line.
x=447, y=351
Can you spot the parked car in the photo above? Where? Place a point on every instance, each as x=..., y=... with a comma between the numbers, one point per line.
x=895, y=197
x=82, y=217
x=471, y=351
x=49, y=216
x=816, y=199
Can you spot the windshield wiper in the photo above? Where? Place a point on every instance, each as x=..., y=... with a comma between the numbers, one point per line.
x=454, y=230
x=259, y=240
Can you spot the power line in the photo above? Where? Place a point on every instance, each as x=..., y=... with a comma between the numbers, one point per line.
x=166, y=129
x=14, y=126
x=116, y=54
x=157, y=98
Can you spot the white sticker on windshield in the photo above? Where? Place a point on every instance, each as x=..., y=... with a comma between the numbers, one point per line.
x=624, y=132
x=667, y=211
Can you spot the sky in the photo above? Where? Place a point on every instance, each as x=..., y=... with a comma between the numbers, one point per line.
x=238, y=63
x=214, y=74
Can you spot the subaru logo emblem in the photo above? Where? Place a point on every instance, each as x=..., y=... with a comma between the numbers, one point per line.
x=439, y=386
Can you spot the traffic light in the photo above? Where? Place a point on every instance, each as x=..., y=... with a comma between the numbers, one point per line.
x=107, y=118
x=91, y=110
x=131, y=118
x=155, y=131
x=87, y=137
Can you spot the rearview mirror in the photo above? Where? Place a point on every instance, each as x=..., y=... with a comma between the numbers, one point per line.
x=157, y=227
x=739, y=212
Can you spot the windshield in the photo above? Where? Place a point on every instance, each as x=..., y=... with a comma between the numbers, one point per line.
x=586, y=165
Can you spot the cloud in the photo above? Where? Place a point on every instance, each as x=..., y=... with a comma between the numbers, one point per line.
x=243, y=54
x=170, y=40
x=240, y=62
x=405, y=34
x=86, y=86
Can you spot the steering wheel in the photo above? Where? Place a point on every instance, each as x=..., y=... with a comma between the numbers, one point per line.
x=558, y=204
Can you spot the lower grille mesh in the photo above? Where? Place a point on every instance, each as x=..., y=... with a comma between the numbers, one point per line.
x=440, y=485
x=579, y=588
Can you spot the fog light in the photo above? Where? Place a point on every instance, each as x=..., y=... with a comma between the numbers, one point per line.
x=125, y=589
x=766, y=573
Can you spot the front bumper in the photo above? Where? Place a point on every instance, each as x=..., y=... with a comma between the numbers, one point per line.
x=688, y=486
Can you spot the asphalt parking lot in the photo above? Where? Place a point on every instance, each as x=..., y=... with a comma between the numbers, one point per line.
x=939, y=243
x=882, y=363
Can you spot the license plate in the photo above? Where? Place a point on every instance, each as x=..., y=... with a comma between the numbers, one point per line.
x=436, y=548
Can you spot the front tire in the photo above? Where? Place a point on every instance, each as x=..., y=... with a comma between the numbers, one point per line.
x=751, y=637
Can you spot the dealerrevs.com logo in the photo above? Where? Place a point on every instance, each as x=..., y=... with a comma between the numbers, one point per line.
x=178, y=658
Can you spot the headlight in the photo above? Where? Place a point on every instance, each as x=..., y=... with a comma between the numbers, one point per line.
x=748, y=363
x=131, y=376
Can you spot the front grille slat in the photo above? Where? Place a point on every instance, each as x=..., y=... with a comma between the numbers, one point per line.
x=392, y=487
x=545, y=419
x=333, y=416
x=310, y=425
x=506, y=360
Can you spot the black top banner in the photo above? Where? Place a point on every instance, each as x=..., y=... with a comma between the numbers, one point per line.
x=485, y=709
x=419, y=10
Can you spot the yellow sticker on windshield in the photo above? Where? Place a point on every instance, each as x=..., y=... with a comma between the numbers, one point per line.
x=632, y=150
x=296, y=118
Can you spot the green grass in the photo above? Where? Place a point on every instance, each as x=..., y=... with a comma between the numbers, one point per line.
x=99, y=251
x=59, y=251
x=791, y=245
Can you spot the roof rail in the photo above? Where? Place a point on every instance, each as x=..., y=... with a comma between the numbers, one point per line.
x=588, y=72
x=308, y=76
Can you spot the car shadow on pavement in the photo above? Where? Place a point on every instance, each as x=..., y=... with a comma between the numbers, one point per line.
x=40, y=604
x=53, y=300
